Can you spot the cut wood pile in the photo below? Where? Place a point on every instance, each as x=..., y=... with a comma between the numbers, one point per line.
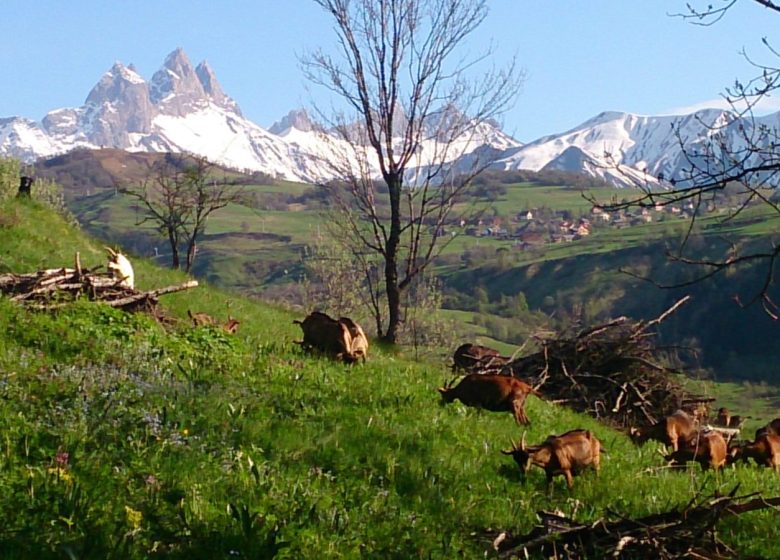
x=55, y=287
x=689, y=532
x=610, y=371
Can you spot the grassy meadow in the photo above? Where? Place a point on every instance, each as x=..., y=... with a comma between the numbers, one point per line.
x=125, y=439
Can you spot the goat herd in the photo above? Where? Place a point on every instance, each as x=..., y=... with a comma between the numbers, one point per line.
x=689, y=435
x=566, y=454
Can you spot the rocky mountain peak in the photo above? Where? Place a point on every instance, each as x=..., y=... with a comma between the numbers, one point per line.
x=176, y=88
x=297, y=118
x=208, y=80
x=114, y=83
x=117, y=106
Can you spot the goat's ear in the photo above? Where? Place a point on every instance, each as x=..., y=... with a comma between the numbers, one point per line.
x=443, y=390
x=508, y=451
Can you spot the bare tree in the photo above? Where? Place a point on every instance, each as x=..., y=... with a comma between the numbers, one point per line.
x=177, y=198
x=411, y=112
x=737, y=157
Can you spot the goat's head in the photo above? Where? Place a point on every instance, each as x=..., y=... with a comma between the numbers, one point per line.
x=521, y=454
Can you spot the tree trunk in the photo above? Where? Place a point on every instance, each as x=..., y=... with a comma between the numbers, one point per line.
x=191, y=250
x=175, y=263
x=192, y=247
x=394, y=183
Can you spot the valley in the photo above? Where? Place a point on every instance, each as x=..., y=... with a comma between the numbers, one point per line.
x=258, y=248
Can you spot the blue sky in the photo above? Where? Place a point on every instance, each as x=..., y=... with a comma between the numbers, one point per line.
x=581, y=58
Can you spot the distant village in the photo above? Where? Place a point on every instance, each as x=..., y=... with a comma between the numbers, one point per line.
x=535, y=227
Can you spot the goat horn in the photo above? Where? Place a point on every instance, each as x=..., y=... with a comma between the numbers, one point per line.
x=522, y=441
x=110, y=251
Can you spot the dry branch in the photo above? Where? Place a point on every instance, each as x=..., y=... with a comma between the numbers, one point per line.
x=688, y=532
x=610, y=371
x=54, y=288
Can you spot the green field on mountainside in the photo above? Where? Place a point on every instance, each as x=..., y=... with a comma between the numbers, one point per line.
x=275, y=228
x=124, y=439
x=258, y=250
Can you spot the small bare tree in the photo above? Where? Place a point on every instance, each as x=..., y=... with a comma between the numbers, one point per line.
x=177, y=198
x=411, y=113
x=737, y=156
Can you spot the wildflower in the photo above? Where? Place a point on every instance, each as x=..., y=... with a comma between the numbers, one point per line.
x=151, y=480
x=134, y=517
x=61, y=459
x=60, y=473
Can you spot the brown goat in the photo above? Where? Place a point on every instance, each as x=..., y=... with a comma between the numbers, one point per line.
x=670, y=430
x=772, y=427
x=497, y=393
x=327, y=335
x=201, y=319
x=469, y=356
x=358, y=347
x=765, y=450
x=706, y=448
x=567, y=454
x=231, y=326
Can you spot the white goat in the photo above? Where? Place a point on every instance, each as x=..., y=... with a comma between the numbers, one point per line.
x=119, y=266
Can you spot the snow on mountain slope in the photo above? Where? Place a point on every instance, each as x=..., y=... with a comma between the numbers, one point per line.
x=648, y=145
x=183, y=108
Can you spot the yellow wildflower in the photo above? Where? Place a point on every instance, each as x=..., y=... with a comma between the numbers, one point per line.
x=60, y=473
x=134, y=517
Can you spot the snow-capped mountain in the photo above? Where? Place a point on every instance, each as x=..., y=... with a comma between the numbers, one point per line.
x=183, y=108
x=646, y=147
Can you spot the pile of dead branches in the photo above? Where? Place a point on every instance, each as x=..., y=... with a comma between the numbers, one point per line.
x=609, y=371
x=55, y=287
x=689, y=532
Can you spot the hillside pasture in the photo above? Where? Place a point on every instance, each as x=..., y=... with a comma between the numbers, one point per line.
x=125, y=439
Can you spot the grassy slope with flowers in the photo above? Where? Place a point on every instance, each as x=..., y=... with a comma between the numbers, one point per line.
x=121, y=439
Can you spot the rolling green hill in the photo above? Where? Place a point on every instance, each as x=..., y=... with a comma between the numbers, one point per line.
x=125, y=439
x=256, y=248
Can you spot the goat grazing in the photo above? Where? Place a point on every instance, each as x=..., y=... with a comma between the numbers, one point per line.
x=670, y=430
x=497, y=393
x=329, y=336
x=764, y=450
x=772, y=427
x=201, y=319
x=706, y=448
x=231, y=326
x=358, y=347
x=567, y=454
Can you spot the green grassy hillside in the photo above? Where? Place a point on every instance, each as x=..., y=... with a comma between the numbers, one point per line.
x=122, y=439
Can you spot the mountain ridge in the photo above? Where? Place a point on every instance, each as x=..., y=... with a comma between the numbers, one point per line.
x=183, y=108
